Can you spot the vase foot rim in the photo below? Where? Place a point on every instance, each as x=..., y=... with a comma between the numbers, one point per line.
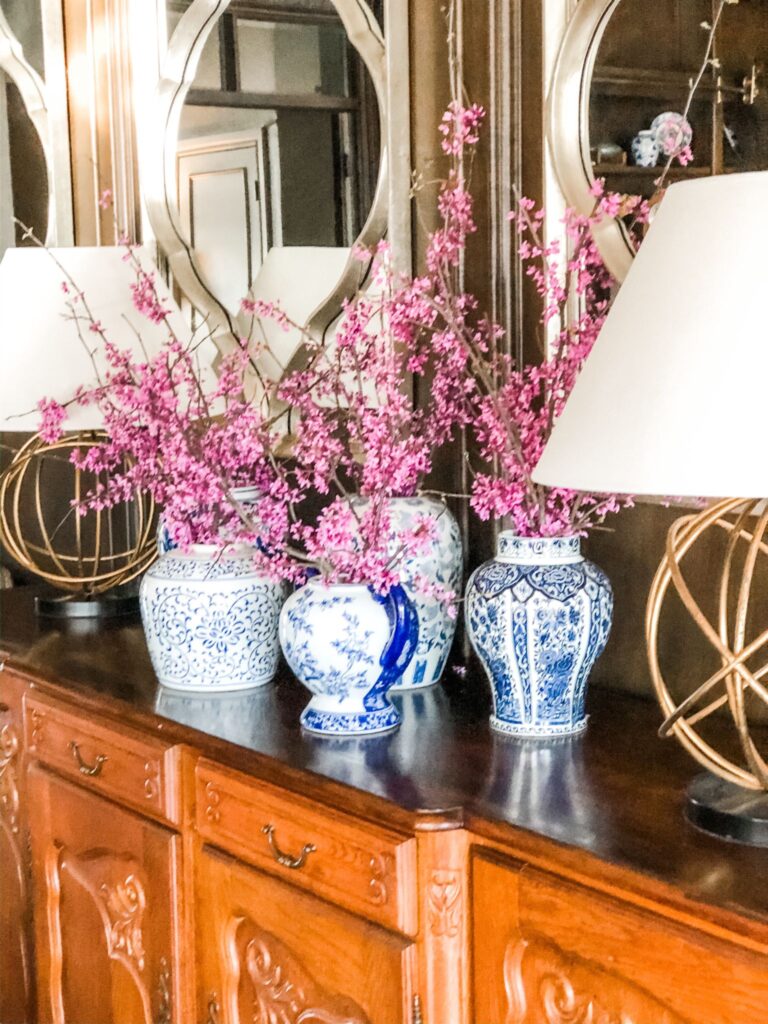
x=541, y=732
x=212, y=689
x=344, y=723
x=408, y=687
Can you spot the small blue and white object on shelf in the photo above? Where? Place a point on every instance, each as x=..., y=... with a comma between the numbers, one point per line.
x=440, y=562
x=348, y=645
x=211, y=619
x=538, y=616
x=645, y=148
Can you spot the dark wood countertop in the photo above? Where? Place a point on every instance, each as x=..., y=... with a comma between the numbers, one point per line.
x=610, y=800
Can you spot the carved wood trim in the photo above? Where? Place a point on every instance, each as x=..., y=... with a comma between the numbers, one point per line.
x=37, y=734
x=283, y=991
x=213, y=798
x=115, y=884
x=443, y=979
x=164, y=999
x=9, y=783
x=10, y=822
x=151, y=780
x=545, y=985
x=380, y=865
x=445, y=903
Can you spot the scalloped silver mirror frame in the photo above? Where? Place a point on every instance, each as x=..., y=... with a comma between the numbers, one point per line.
x=568, y=126
x=34, y=97
x=158, y=162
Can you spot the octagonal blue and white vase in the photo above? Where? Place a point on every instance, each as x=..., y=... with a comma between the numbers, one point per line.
x=538, y=616
x=348, y=645
x=441, y=562
x=210, y=617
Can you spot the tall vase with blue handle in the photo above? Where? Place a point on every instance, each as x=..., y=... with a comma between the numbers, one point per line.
x=348, y=645
x=441, y=562
x=210, y=618
x=538, y=616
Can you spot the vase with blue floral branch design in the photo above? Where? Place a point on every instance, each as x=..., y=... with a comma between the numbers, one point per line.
x=538, y=616
x=210, y=617
x=348, y=645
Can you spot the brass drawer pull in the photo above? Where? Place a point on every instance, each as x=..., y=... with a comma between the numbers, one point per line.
x=91, y=770
x=283, y=858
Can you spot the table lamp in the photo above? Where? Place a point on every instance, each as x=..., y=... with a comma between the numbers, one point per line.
x=672, y=402
x=41, y=355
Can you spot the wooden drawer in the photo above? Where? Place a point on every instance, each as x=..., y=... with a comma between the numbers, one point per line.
x=542, y=942
x=367, y=869
x=110, y=759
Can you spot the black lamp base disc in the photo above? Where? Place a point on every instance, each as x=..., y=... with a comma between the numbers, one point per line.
x=99, y=606
x=728, y=811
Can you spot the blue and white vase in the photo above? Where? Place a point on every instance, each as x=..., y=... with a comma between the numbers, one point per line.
x=211, y=619
x=348, y=645
x=247, y=497
x=538, y=616
x=440, y=562
x=645, y=148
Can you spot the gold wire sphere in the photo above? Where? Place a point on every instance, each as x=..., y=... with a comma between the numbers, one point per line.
x=744, y=523
x=42, y=531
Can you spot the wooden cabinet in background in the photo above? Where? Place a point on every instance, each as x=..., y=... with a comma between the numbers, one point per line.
x=549, y=951
x=16, y=973
x=105, y=908
x=269, y=953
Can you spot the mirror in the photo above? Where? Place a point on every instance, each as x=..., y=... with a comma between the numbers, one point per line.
x=623, y=90
x=274, y=154
x=24, y=142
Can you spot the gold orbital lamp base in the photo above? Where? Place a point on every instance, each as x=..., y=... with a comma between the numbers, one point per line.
x=732, y=801
x=95, y=558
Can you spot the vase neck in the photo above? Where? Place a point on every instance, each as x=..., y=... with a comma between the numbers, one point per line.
x=538, y=550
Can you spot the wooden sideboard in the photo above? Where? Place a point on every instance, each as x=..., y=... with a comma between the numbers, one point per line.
x=176, y=860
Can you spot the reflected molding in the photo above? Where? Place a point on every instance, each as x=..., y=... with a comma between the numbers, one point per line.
x=33, y=94
x=158, y=170
x=568, y=127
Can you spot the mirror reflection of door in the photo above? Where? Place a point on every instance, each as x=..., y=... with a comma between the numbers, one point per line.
x=278, y=139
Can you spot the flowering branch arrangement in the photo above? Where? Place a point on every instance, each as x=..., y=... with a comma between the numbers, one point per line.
x=512, y=409
x=359, y=441
x=172, y=430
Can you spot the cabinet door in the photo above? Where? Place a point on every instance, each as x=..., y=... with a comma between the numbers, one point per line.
x=271, y=954
x=104, y=908
x=549, y=951
x=16, y=980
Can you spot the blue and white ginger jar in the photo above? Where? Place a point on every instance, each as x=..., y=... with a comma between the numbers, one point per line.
x=348, y=645
x=441, y=562
x=538, y=616
x=211, y=618
x=247, y=498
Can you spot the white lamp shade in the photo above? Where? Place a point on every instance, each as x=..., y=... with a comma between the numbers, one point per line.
x=41, y=355
x=672, y=399
x=297, y=278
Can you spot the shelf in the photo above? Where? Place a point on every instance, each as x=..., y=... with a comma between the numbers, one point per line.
x=649, y=84
x=631, y=170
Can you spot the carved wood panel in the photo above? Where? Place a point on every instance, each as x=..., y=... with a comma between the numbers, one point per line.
x=16, y=968
x=548, y=951
x=271, y=954
x=266, y=984
x=544, y=986
x=104, y=916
